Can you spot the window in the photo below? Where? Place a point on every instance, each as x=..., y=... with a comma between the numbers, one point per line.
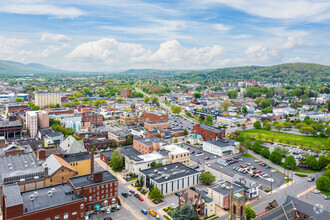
x=48, y=218
x=66, y=216
x=74, y=213
x=82, y=214
x=57, y=217
x=82, y=205
x=98, y=198
x=90, y=190
x=90, y=198
x=113, y=200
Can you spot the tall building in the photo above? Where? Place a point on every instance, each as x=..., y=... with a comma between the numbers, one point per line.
x=43, y=119
x=126, y=93
x=32, y=123
x=46, y=98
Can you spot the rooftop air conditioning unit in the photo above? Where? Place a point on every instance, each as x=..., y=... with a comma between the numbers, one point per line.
x=165, y=168
x=32, y=197
x=50, y=193
x=53, y=190
x=36, y=194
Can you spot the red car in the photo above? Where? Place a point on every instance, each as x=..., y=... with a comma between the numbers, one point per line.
x=259, y=171
x=140, y=198
x=242, y=166
x=261, y=164
x=206, y=158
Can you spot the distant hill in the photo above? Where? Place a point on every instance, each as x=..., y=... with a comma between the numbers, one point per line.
x=11, y=67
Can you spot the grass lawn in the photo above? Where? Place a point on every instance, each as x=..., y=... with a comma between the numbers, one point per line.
x=299, y=169
x=301, y=175
x=285, y=138
x=246, y=155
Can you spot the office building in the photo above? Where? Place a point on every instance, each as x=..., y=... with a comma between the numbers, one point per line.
x=46, y=98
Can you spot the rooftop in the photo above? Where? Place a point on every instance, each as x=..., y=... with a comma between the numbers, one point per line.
x=210, y=128
x=175, y=149
x=222, y=142
x=168, y=172
x=131, y=153
x=151, y=157
x=77, y=157
x=107, y=153
x=87, y=180
x=60, y=194
x=157, y=122
x=10, y=123
x=151, y=140
x=156, y=113
x=12, y=195
x=224, y=188
x=120, y=133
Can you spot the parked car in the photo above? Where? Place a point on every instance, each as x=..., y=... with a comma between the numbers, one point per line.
x=196, y=167
x=326, y=197
x=273, y=171
x=124, y=194
x=252, y=175
x=193, y=188
x=140, y=198
x=131, y=191
x=265, y=175
x=178, y=194
x=242, y=166
x=261, y=163
x=136, y=195
x=317, y=191
x=118, y=207
x=256, y=176
x=152, y=212
x=207, y=158
x=252, y=168
x=113, y=209
x=310, y=179
x=192, y=152
x=248, y=164
x=259, y=171
x=144, y=211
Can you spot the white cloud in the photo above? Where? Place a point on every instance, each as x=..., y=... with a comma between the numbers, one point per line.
x=222, y=27
x=311, y=10
x=292, y=43
x=54, y=37
x=9, y=46
x=39, y=7
x=171, y=54
x=53, y=49
x=293, y=59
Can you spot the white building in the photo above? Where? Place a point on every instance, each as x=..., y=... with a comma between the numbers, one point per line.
x=32, y=123
x=284, y=111
x=170, y=178
x=221, y=147
x=250, y=187
x=315, y=115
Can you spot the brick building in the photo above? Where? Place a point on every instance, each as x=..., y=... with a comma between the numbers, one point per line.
x=154, y=125
x=126, y=93
x=76, y=199
x=98, y=143
x=10, y=129
x=90, y=119
x=148, y=145
x=10, y=108
x=154, y=116
x=61, y=111
x=208, y=132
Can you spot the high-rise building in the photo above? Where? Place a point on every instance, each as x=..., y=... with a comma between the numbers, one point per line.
x=43, y=119
x=32, y=123
x=46, y=98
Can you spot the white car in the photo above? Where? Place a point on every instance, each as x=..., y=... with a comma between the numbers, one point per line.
x=273, y=171
x=317, y=191
x=108, y=210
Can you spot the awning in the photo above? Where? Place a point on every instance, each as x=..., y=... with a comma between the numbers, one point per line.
x=226, y=151
x=97, y=207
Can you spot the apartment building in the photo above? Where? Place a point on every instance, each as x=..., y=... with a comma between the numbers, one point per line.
x=46, y=98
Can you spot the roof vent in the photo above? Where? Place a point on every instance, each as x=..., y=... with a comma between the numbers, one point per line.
x=165, y=168
x=50, y=193
x=36, y=194
x=176, y=167
x=32, y=197
x=53, y=190
x=155, y=171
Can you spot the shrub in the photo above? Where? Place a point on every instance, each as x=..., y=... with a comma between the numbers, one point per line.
x=267, y=190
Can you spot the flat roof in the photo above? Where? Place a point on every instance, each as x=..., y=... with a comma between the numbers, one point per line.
x=12, y=195
x=10, y=123
x=87, y=180
x=77, y=157
x=131, y=153
x=62, y=194
x=151, y=140
x=222, y=142
x=157, y=122
x=175, y=149
x=151, y=156
x=210, y=128
x=107, y=153
x=168, y=172
x=224, y=188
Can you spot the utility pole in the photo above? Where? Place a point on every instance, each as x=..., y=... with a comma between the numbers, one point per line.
x=271, y=183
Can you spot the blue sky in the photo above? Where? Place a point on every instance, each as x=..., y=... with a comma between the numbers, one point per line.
x=109, y=35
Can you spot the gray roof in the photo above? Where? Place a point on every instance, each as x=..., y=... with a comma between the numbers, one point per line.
x=151, y=140
x=33, y=142
x=224, y=188
x=222, y=142
x=157, y=122
x=168, y=172
x=131, y=153
x=76, y=157
x=107, y=153
x=87, y=180
x=282, y=212
x=62, y=195
x=72, y=146
x=210, y=128
x=22, y=166
x=12, y=195
x=205, y=197
x=155, y=113
x=120, y=133
x=10, y=123
x=307, y=208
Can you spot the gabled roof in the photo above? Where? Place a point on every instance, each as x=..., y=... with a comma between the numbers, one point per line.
x=72, y=146
x=54, y=163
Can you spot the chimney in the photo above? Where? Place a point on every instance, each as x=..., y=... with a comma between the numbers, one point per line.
x=46, y=171
x=97, y=177
x=92, y=160
x=41, y=154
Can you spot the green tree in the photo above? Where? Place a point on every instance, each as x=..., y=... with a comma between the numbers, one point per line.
x=307, y=130
x=279, y=127
x=207, y=178
x=312, y=163
x=323, y=161
x=188, y=114
x=265, y=152
x=244, y=109
x=185, y=132
x=287, y=125
x=290, y=162
x=265, y=103
x=275, y=157
x=185, y=212
x=257, y=124
x=209, y=120
x=116, y=160
x=175, y=140
x=19, y=99
x=232, y=94
x=154, y=100
x=176, y=110
x=249, y=213
x=119, y=100
x=283, y=151
x=129, y=140
x=156, y=194
x=256, y=147
x=146, y=99
x=327, y=132
x=197, y=95
x=114, y=143
x=225, y=105
x=323, y=183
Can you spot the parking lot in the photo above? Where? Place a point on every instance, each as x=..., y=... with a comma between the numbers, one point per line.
x=180, y=123
x=121, y=214
x=198, y=155
x=273, y=180
x=318, y=199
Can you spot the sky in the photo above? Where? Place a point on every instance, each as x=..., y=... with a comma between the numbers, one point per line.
x=115, y=35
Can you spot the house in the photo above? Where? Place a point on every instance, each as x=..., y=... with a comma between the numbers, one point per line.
x=285, y=111
x=221, y=147
x=148, y=145
x=105, y=156
x=81, y=162
x=49, y=137
x=315, y=115
x=285, y=212
x=177, y=154
x=220, y=194
x=155, y=125
x=208, y=132
x=170, y=178
x=155, y=116
x=120, y=136
x=209, y=204
x=57, y=170
x=230, y=120
x=250, y=187
x=72, y=146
